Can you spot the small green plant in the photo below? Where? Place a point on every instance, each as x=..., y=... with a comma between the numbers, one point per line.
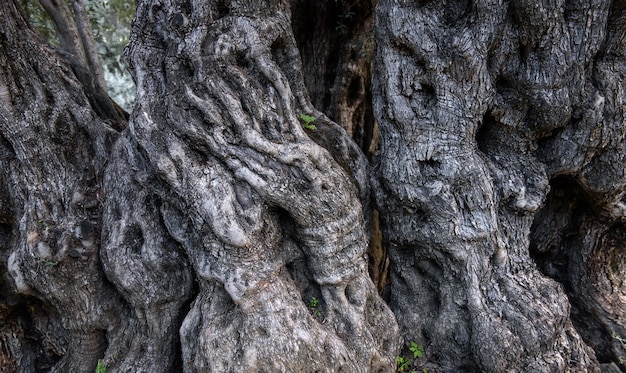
x=47, y=262
x=101, y=367
x=406, y=362
x=417, y=350
x=313, y=304
x=403, y=363
x=307, y=121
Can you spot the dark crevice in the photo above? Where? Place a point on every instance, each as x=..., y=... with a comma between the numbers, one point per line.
x=485, y=137
x=555, y=225
x=7, y=152
x=557, y=245
x=280, y=54
x=429, y=93
x=455, y=11
x=355, y=91
x=222, y=8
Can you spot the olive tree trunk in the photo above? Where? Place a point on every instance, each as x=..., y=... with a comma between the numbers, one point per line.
x=217, y=234
x=219, y=231
x=336, y=44
x=502, y=129
x=269, y=220
x=56, y=131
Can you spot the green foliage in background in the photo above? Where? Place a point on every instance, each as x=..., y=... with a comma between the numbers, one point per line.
x=110, y=23
x=39, y=20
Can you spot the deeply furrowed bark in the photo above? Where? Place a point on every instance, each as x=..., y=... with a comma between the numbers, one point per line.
x=578, y=236
x=219, y=235
x=336, y=43
x=55, y=142
x=267, y=218
x=480, y=105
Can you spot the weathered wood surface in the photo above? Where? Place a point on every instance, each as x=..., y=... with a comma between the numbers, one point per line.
x=198, y=237
x=483, y=106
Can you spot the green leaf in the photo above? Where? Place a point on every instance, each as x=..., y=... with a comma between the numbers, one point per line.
x=101, y=367
x=307, y=118
x=418, y=350
x=403, y=363
x=307, y=121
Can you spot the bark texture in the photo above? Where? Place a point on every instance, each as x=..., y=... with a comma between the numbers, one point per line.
x=54, y=141
x=482, y=106
x=225, y=175
x=215, y=233
x=336, y=44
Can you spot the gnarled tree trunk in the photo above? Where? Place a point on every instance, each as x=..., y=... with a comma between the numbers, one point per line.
x=267, y=218
x=483, y=105
x=215, y=181
x=217, y=233
x=56, y=131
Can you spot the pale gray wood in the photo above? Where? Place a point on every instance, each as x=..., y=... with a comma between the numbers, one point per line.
x=267, y=218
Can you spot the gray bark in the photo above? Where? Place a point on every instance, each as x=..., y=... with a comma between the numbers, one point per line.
x=267, y=218
x=215, y=233
x=215, y=181
x=336, y=43
x=54, y=140
x=482, y=106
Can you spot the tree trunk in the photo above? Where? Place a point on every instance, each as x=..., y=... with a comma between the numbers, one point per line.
x=482, y=107
x=83, y=25
x=214, y=181
x=220, y=232
x=75, y=35
x=55, y=137
x=336, y=43
x=268, y=219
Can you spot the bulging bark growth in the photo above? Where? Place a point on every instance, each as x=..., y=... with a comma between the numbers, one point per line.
x=216, y=233
x=481, y=104
x=267, y=218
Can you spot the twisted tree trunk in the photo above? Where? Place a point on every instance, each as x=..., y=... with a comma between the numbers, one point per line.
x=482, y=106
x=267, y=218
x=214, y=181
x=220, y=232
